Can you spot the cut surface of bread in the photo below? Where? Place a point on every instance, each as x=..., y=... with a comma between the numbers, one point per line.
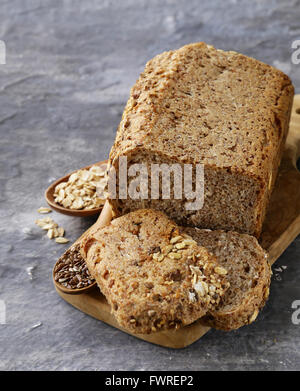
x=200, y=105
x=153, y=277
x=249, y=274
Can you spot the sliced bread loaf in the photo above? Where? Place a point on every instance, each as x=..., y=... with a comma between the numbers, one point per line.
x=153, y=277
x=249, y=275
x=222, y=109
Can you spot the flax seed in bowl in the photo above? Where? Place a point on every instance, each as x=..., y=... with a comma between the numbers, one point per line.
x=70, y=273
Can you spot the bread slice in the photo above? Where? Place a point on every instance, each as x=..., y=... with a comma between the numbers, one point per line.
x=249, y=274
x=153, y=277
x=200, y=105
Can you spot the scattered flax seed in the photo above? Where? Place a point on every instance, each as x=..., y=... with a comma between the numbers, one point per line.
x=44, y=210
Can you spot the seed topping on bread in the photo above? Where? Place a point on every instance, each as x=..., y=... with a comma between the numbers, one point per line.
x=244, y=263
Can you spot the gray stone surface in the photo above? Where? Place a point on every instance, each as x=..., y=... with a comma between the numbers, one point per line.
x=69, y=68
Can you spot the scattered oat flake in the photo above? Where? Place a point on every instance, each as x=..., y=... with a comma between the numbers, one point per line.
x=44, y=210
x=50, y=233
x=60, y=231
x=61, y=240
x=52, y=228
x=49, y=226
x=44, y=221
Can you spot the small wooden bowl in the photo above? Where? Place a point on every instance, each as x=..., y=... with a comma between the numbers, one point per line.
x=49, y=196
x=73, y=291
x=67, y=290
x=104, y=219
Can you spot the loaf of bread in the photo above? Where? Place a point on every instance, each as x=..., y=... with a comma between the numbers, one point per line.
x=153, y=277
x=249, y=274
x=199, y=105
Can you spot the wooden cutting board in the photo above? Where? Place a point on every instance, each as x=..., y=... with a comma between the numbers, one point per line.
x=281, y=226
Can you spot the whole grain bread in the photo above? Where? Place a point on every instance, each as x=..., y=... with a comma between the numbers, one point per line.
x=222, y=109
x=153, y=277
x=249, y=275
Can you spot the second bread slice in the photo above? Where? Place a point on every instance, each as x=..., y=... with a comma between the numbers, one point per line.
x=249, y=275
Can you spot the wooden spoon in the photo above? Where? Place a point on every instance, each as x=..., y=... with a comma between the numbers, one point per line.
x=49, y=195
x=104, y=219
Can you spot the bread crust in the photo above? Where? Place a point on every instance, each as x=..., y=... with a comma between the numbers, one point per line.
x=222, y=109
x=243, y=248
x=149, y=292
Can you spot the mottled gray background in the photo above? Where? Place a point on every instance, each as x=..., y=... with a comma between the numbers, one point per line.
x=69, y=68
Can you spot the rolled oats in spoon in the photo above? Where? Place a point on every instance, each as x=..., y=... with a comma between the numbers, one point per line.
x=83, y=190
